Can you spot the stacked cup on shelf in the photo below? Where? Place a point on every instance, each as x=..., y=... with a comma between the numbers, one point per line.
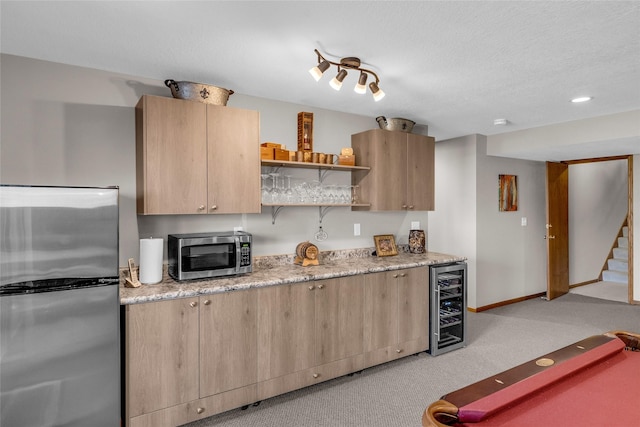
x=283, y=190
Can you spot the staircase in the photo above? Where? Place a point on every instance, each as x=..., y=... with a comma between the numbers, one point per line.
x=617, y=268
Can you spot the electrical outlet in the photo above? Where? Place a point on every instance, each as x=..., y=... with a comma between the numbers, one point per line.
x=356, y=229
x=237, y=229
x=523, y=221
x=415, y=225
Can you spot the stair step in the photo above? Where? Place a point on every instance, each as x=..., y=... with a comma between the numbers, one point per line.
x=625, y=231
x=623, y=242
x=618, y=264
x=615, y=276
x=621, y=253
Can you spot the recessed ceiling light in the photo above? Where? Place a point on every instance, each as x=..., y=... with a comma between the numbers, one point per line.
x=500, y=122
x=582, y=99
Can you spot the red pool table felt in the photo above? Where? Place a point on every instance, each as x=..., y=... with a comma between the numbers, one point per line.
x=600, y=387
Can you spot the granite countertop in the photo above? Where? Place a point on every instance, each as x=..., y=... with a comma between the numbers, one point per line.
x=279, y=270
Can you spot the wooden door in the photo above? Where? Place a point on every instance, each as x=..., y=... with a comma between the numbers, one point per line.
x=171, y=156
x=381, y=311
x=385, y=185
x=233, y=159
x=286, y=324
x=413, y=305
x=420, y=172
x=228, y=341
x=557, y=233
x=339, y=318
x=161, y=355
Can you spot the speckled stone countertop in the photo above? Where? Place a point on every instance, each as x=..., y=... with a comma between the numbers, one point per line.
x=279, y=270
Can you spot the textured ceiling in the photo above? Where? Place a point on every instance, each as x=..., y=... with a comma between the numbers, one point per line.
x=452, y=65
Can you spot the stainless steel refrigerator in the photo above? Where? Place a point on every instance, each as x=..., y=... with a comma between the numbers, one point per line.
x=59, y=307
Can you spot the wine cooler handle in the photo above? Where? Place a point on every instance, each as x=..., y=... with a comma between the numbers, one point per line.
x=436, y=296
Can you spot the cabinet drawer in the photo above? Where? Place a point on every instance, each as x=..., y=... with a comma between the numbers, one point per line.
x=197, y=409
x=318, y=374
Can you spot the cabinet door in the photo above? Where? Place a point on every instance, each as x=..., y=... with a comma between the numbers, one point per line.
x=420, y=172
x=413, y=305
x=380, y=311
x=339, y=318
x=286, y=322
x=233, y=160
x=171, y=156
x=228, y=341
x=384, y=186
x=161, y=355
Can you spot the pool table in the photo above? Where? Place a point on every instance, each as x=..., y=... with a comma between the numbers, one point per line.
x=593, y=382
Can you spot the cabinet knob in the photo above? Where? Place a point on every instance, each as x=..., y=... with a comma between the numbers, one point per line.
x=410, y=206
x=193, y=304
x=201, y=207
x=207, y=302
x=311, y=287
x=404, y=206
x=199, y=410
x=395, y=276
x=403, y=275
x=320, y=286
x=214, y=207
x=399, y=350
x=316, y=375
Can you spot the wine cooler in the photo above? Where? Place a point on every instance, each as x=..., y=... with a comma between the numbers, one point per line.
x=448, y=307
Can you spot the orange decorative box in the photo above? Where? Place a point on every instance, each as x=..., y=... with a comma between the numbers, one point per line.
x=267, y=153
x=271, y=145
x=347, y=160
x=280, y=154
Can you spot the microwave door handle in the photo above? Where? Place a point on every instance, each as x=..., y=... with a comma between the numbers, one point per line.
x=238, y=252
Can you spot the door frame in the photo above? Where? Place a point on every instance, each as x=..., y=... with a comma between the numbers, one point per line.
x=629, y=159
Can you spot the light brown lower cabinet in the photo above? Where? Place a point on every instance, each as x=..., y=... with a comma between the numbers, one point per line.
x=308, y=333
x=396, y=317
x=191, y=358
x=188, y=359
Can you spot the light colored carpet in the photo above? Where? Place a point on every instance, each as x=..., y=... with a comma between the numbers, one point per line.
x=611, y=291
x=396, y=393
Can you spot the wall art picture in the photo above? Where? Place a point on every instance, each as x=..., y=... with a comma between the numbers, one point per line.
x=508, y=192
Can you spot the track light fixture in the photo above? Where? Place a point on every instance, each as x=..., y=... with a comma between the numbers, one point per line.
x=349, y=63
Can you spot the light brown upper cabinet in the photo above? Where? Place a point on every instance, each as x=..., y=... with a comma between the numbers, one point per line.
x=402, y=170
x=195, y=158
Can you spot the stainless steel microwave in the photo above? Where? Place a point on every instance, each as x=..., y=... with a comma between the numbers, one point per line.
x=206, y=255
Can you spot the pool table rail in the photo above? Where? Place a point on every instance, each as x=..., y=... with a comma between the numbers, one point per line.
x=482, y=398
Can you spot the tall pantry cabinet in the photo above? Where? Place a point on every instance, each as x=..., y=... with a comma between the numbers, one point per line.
x=402, y=170
x=196, y=158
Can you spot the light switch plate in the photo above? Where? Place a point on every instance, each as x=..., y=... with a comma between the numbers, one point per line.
x=523, y=221
x=415, y=225
x=356, y=229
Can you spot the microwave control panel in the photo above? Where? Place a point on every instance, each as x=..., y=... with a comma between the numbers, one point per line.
x=245, y=254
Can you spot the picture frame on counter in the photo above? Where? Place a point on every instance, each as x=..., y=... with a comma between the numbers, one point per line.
x=385, y=245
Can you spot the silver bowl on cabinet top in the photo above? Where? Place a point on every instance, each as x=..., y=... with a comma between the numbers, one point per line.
x=396, y=124
x=207, y=94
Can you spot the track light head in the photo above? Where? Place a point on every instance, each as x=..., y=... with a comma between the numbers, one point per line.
x=361, y=87
x=318, y=71
x=378, y=94
x=336, y=83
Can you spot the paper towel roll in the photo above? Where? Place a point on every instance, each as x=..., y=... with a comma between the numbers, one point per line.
x=151, y=261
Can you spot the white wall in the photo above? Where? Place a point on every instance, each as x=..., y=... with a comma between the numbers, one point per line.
x=598, y=205
x=452, y=226
x=511, y=257
x=66, y=125
x=506, y=260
